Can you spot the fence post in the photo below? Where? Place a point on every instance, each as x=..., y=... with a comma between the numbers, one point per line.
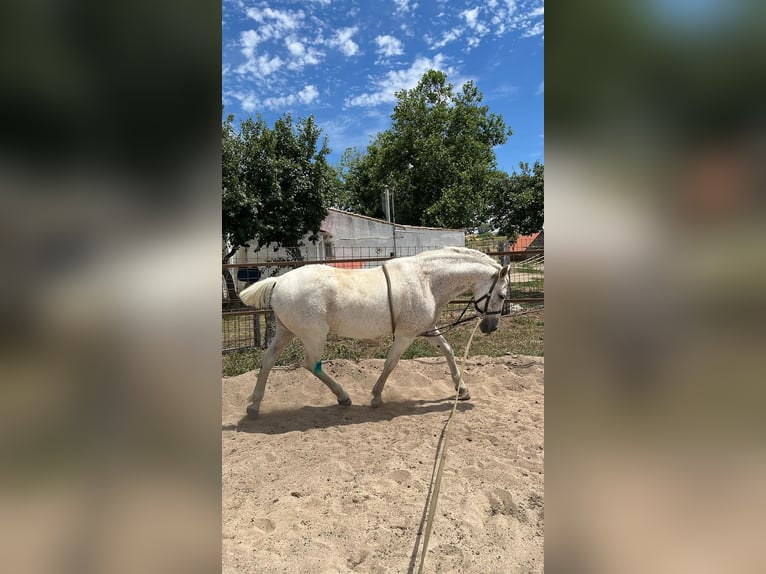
x=256, y=330
x=505, y=259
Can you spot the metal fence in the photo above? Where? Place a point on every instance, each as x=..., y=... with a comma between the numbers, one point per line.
x=246, y=328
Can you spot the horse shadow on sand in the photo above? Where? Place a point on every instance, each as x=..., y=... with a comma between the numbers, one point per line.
x=319, y=417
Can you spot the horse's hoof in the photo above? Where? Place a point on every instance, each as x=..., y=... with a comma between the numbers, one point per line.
x=376, y=403
x=464, y=396
x=252, y=411
x=345, y=402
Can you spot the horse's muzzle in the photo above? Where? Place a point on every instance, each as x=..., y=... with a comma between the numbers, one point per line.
x=489, y=324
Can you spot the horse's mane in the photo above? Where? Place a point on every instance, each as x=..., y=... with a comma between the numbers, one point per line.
x=477, y=256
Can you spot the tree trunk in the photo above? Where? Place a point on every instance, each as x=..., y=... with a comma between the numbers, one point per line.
x=295, y=253
x=233, y=301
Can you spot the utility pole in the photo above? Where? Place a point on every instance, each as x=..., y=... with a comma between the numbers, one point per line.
x=389, y=206
x=386, y=204
x=393, y=220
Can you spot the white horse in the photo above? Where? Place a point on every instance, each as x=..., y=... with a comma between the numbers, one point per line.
x=404, y=297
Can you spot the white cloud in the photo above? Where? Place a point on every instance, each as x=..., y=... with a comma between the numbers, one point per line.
x=386, y=86
x=308, y=94
x=261, y=66
x=471, y=16
x=473, y=41
x=479, y=29
x=447, y=37
x=533, y=30
x=295, y=46
x=343, y=41
x=476, y=28
x=249, y=39
x=472, y=19
x=403, y=6
x=526, y=17
x=272, y=25
x=505, y=91
x=301, y=55
x=275, y=23
x=389, y=46
x=250, y=102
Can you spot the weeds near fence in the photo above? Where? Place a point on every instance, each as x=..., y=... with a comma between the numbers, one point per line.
x=518, y=335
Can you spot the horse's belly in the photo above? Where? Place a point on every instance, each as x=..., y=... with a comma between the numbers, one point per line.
x=360, y=325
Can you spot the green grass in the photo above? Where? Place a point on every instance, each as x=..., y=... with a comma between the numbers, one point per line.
x=531, y=285
x=519, y=334
x=528, y=269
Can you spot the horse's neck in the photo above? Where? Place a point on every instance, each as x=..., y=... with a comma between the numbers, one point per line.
x=449, y=278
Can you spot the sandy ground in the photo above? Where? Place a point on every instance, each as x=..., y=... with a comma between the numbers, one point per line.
x=313, y=487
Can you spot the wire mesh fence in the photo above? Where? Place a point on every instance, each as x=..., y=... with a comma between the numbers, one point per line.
x=247, y=328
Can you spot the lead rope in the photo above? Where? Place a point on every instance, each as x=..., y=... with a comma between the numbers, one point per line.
x=442, y=459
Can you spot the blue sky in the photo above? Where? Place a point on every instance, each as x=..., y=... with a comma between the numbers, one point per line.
x=342, y=61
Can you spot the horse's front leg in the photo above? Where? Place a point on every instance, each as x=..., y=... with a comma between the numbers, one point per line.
x=444, y=347
x=394, y=354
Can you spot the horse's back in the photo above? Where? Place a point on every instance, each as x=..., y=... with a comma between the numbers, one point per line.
x=324, y=280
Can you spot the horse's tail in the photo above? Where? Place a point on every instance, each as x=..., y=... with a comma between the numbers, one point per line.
x=258, y=294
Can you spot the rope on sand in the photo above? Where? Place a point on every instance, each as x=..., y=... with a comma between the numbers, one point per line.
x=441, y=458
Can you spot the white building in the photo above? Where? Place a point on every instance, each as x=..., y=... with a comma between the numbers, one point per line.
x=346, y=235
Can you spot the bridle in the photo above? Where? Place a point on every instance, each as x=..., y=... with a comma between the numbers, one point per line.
x=488, y=297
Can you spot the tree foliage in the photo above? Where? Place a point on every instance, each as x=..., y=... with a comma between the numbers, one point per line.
x=275, y=182
x=518, y=205
x=239, y=208
x=437, y=159
x=337, y=194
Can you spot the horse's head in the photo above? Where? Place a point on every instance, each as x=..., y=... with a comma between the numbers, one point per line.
x=489, y=296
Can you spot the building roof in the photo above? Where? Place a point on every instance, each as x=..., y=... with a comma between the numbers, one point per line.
x=390, y=223
x=523, y=242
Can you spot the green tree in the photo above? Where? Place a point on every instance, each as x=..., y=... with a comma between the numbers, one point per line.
x=239, y=219
x=518, y=206
x=285, y=169
x=360, y=173
x=239, y=208
x=337, y=195
x=437, y=159
x=275, y=183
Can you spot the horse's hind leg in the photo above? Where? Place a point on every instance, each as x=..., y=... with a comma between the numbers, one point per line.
x=313, y=363
x=444, y=347
x=394, y=354
x=282, y=338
